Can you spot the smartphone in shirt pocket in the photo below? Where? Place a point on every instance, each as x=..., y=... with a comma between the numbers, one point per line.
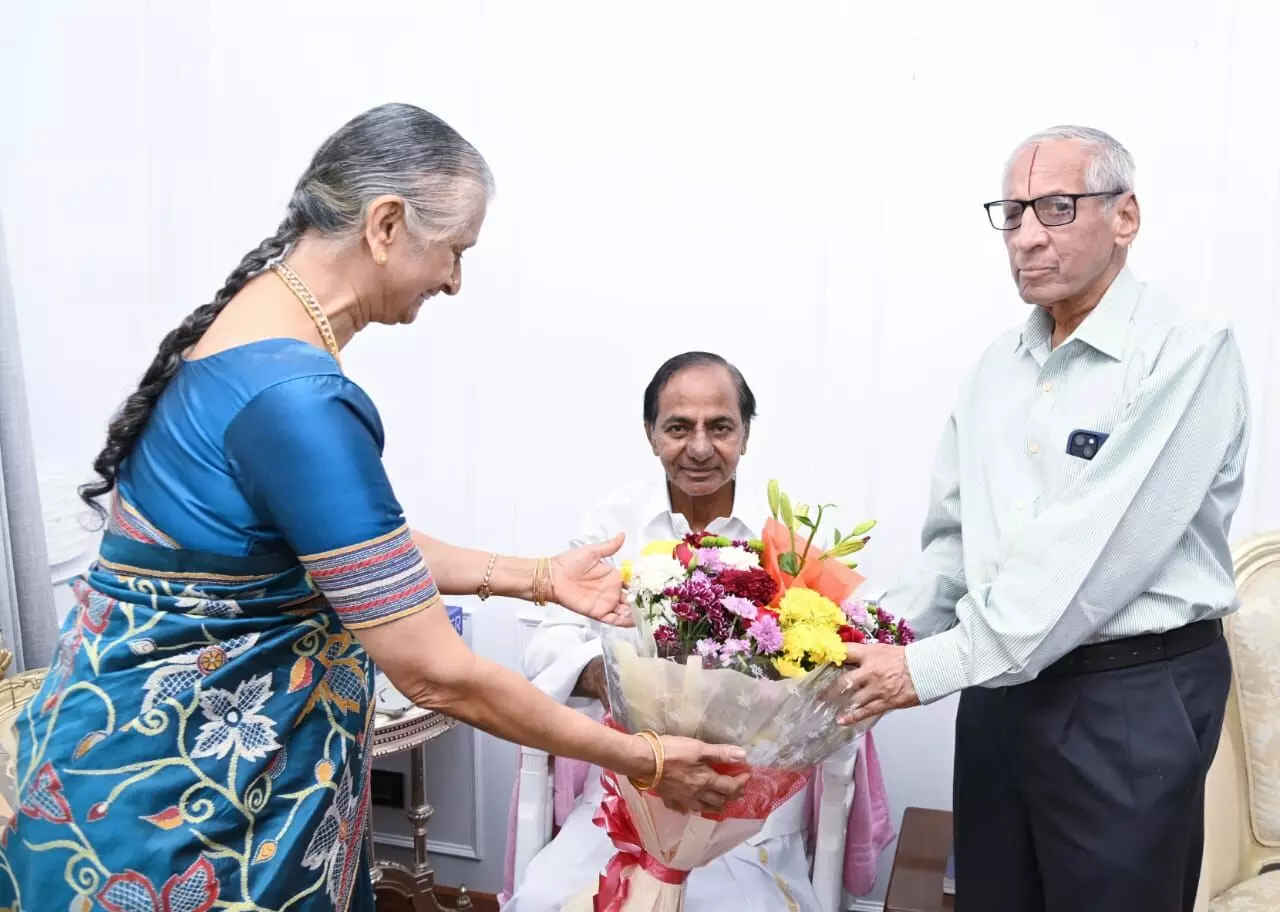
x=1084, y=444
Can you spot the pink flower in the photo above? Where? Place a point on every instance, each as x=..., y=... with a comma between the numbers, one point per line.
x=708, y=649
x=734, y=647
x=743, y=608
x=767, y=634
x=709, y=560
x=856, y=611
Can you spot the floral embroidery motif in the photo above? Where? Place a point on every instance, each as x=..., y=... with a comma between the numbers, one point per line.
x=178, y=674
x=96, y=608
x=335, y=845
x=344, y=680
x=236, y=721
x=43, y=798
x=196, y=603
x=194, y=890
x=64, y=661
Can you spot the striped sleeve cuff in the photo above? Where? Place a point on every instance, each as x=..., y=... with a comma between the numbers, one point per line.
x=936, y=667
x=374, y=582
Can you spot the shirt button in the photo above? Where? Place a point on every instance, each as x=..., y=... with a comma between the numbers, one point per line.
x=1048, y=387
x=1020, y=506
x=1033, y=449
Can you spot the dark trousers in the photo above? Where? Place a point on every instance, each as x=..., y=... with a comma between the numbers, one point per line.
x=1086, y=793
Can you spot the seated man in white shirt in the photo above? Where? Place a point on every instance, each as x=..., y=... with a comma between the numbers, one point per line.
x=697, y=417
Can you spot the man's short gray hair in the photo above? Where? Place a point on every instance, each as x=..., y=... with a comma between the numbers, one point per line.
x=1111, y=167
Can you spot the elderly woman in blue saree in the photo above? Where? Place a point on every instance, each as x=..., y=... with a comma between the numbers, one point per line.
x=202, y=739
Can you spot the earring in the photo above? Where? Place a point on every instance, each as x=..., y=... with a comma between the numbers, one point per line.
x=382, y=258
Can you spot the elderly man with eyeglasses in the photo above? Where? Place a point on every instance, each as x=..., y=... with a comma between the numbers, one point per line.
x=1075, y=562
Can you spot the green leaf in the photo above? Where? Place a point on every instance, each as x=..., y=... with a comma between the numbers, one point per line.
x=789, y=563
x=838, y=537
x=804, y=521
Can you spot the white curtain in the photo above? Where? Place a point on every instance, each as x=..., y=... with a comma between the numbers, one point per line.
x=27, y=619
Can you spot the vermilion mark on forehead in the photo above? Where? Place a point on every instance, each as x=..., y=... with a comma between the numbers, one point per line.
x=1035, y=150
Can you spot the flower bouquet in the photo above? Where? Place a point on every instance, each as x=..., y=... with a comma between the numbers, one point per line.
x=737, y=642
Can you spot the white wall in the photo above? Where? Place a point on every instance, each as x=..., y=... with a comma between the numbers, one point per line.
x=795, y=186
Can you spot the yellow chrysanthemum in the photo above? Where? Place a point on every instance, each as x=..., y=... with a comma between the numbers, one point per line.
x=797, y=640
x=804, y=606
x=828, y=648
x=625, y=572
x=788, y=669
x=812, y=644
x=660, y=546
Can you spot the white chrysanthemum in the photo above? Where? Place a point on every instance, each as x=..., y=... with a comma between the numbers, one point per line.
x=657, y=610
x=654, y=572
x=739, y=558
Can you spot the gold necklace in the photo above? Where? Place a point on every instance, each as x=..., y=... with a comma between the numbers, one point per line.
x=308, y=301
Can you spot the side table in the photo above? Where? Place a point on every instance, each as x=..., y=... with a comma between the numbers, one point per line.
x=394, y=732
x=915, y=885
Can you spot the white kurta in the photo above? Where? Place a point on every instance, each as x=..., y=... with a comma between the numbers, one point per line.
x=769, y=872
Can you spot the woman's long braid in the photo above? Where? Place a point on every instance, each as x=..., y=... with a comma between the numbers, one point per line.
x=131, y=418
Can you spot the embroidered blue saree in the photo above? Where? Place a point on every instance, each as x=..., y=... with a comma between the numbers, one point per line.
x=202, y=739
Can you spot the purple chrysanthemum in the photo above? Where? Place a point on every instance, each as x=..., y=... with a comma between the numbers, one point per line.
x=722, y=622
x=686, y=611
x=701, y=592
x=766, y=633
x=666, y=639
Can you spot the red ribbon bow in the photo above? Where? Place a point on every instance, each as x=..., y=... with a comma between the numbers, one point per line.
x=615, y=818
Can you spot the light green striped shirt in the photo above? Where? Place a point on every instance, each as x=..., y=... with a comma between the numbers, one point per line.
x=1030, y=551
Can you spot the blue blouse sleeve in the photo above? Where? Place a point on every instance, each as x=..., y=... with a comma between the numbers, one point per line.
x=307, y=455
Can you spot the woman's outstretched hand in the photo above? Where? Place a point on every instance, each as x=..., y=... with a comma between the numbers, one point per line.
x=586, y=583
x=689, y=784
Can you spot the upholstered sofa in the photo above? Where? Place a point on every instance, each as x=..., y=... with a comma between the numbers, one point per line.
x=1241, y=867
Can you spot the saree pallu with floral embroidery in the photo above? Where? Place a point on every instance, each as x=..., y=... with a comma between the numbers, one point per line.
x=202, y=742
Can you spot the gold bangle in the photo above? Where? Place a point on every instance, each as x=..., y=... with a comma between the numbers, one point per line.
x=659, y=761
x=484, y=591
x=541, y=574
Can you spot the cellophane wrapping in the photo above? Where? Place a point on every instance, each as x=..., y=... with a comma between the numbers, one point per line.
x=786, y=726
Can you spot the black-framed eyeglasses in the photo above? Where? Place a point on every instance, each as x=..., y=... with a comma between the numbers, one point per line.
x=1053, y=211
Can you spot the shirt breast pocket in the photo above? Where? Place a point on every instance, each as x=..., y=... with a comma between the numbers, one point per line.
x=1076, y=446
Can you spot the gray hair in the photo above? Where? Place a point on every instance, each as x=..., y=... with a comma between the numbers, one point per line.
x=1110, y=168
x=396, y=150
x=392, y=150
